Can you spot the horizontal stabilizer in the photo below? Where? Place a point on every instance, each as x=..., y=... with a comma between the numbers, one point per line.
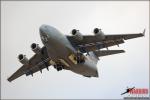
x=107, y=52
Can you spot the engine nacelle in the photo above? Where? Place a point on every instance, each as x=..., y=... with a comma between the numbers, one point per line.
x=77, y=34
x=99, y=33
x=35, y=48
x=23, y=59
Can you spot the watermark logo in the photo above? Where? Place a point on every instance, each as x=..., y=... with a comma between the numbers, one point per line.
x=136, y=93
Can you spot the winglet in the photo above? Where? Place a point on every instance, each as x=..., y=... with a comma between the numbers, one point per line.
x=144, y=32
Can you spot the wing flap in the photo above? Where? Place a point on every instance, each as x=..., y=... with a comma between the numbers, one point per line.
x=107, y=52
x=99, y=45
x=38, y=67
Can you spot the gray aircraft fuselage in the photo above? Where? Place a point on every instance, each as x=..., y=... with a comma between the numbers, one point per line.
x=59, y=49
x=77, y=53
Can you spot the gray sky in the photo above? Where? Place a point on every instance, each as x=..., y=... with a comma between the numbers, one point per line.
x=20, y=28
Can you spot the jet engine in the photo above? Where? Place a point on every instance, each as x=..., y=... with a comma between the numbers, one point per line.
x=77, y=34
x=35, y=48
x=99, y=33
x=23, y=59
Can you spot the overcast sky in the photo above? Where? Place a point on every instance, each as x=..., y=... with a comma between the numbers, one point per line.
x=20, y=28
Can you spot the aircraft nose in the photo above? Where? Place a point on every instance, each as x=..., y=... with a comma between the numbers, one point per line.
x=42, y=29
x=44, y=33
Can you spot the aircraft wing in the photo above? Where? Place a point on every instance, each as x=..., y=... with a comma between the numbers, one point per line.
x=92, y=42
x=107, y=52
x=36, y=63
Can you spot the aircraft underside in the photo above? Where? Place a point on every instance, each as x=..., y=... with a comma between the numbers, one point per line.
x=77, y=53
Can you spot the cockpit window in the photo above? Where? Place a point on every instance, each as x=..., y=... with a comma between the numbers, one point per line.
x=44, y=38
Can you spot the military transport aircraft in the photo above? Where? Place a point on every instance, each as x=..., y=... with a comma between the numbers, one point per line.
x=77, y=53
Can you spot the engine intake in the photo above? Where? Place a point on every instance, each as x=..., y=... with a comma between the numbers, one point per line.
x=98, y=32
x=77, y=34
x=23, y=59
x=35, y=48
